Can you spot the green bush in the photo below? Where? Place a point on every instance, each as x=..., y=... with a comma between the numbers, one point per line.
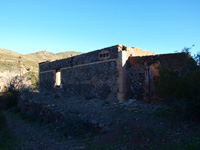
x=181, y=89
x=3, y=125
x=9, y=99
x=33, y=76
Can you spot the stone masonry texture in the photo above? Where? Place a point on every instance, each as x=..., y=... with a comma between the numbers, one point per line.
x=85, y=75
x=141, y=74
x=116, y=73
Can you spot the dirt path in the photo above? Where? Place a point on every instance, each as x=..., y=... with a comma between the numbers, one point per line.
x=36, y=136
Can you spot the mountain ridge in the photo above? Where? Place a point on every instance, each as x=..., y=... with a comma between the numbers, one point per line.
x=13, y=61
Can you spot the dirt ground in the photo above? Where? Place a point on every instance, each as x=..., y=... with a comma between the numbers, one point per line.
x=131, y=125
x=38, y=136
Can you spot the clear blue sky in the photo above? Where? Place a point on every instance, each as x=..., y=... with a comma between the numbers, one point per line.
x=160, y=26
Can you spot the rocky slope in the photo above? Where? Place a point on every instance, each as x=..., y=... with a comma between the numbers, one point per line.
x=12, y=61
x=13, y=64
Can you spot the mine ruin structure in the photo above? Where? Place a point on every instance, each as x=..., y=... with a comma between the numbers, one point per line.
x=115, y=73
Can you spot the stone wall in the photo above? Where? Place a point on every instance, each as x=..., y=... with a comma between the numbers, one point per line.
x=100, y=74
x=143, y=73
x=91, y=75
x=135, y=78
x=82, y=59
x=91, y=81
x=124, y=54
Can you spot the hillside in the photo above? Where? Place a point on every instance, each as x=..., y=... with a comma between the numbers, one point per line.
x=12, y=61
x=45, y=55
x=8, y=60
x=13, y=64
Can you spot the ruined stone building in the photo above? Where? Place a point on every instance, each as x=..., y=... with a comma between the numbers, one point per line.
x=115, y=73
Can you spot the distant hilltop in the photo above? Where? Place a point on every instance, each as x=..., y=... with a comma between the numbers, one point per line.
x=12, y=61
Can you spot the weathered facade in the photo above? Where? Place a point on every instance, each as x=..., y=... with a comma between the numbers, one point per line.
x=143, y=73
x=115, y=73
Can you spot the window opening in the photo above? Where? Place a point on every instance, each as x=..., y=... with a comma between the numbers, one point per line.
x=104, y=55
x=58, y=78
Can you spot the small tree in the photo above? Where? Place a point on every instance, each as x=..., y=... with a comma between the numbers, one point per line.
x=197, y=58
x=181, y=87
x=187, y=49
